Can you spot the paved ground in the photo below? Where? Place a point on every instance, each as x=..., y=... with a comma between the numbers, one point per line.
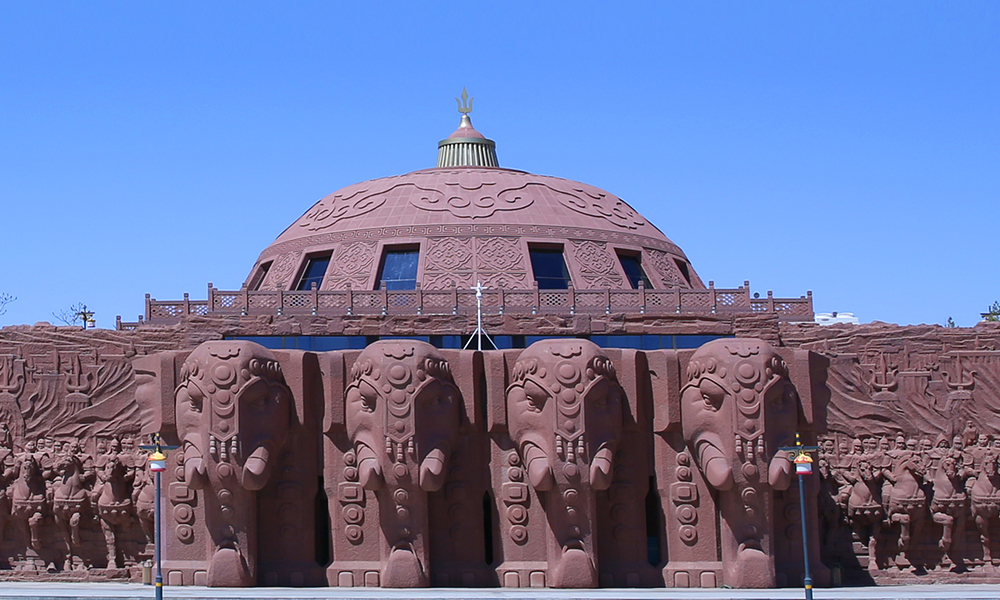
x=121, y=591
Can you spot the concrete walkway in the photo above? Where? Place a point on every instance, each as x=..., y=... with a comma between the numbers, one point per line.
x=120, y=591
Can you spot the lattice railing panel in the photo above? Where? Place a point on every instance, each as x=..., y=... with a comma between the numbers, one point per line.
x=264, y=300
x=551, y=299
x=227, y=301
x=333, y=300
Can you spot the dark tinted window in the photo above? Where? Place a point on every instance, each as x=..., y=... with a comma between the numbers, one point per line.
x=258, y=279
x=399, y=270
x=633, y=270
x=549, y=269
x=683, y=266
x=314, y=272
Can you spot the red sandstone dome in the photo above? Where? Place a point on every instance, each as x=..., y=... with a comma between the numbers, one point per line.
x=469, y=220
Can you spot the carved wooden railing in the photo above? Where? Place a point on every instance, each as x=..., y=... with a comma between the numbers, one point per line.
x=457, y=301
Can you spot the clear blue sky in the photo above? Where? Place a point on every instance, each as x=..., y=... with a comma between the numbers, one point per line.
x=848, y=148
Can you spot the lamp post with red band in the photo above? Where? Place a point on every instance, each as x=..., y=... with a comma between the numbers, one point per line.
x=799, y=455
x=157, y=464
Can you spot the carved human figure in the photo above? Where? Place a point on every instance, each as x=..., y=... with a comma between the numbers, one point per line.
x=564, y=410
x=71, y=501
x=986, y=503
x=736, y=402
x=403, y=416
x=114, y=501
x=979, y=451
x=950, y=504
x=232, y=409
x=864, y=508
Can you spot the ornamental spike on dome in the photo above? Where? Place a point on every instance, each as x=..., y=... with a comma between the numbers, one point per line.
x=466, y=147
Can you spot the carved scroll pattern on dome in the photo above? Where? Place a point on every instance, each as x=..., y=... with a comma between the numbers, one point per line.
x=352, y=264
x=478, y=203
x=609, y=208
x=279, y=276
x=448, y=263
x=336, y=207
x=597, y=266
x=670, y=275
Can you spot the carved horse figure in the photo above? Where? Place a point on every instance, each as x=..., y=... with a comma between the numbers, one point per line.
x=949, y=503
x=7, y=473
x=114, y=503
x=70, y=501
x=908, y=502
x=28, y=499
x=986, y=502
x=864, y=508
x=144, y=498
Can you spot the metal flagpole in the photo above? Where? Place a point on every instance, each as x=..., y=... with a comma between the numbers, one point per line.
x=480, y=331
x=799, y=454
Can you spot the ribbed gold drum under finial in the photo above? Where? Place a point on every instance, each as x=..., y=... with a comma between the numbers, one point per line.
x=466, y=147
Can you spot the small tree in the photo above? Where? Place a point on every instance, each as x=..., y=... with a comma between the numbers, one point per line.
x=5, y=299
x=993, y=314
x=950, y=323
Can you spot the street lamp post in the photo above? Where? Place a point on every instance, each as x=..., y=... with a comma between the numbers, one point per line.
x=799, y=455
x=157, y=464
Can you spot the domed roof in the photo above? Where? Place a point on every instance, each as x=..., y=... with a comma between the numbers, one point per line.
x=469, y=224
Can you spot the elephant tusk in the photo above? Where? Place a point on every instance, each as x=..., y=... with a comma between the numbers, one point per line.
x=432, y=470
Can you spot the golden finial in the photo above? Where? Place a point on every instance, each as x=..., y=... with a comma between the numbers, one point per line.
x=465, y=103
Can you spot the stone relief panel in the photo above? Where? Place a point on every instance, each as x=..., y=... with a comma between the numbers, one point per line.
x=501, y=262
x=70, y=469
x=909, y=461
x=669, y=275
x=597, y=264
x=279, y=276
x=448, y=263
x=352, y=264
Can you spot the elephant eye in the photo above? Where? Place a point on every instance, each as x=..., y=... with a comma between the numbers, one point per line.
x=535, y=397
x=712, y=395
x=258, y=403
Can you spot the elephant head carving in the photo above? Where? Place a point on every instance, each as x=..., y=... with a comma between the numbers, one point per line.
x=232, y=411
x=564, y=408
x=403, y=415
x=737, y=406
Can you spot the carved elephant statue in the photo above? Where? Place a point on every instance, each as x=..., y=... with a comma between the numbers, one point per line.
x=736, y=407
x=564, y=412
x=403, y=413
x=232, y=409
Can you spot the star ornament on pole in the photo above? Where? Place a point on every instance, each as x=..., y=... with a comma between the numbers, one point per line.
x=799, y=455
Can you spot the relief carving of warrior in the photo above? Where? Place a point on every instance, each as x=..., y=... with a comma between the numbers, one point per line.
x=736, y=404
x=985, y=495
x=232, y=408
x=403, y=416
x=564, y=410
